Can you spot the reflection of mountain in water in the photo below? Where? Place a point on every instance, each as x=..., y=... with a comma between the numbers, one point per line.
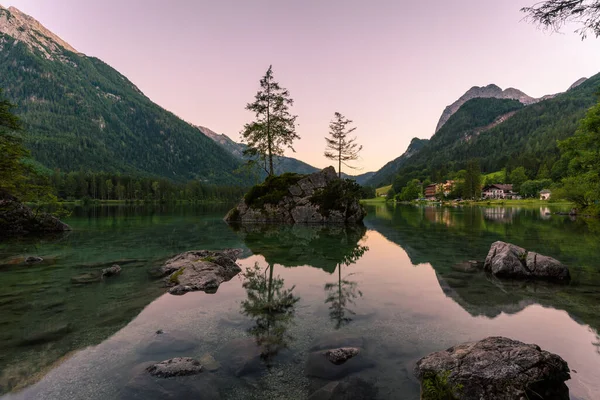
x=445, y=237
x=319, y=246
x=45, y=317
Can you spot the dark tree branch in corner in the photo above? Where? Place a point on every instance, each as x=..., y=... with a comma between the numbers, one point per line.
x=554, y=14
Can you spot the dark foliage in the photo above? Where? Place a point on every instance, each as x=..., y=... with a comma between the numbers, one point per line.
x=337, y=195
x=272, y=190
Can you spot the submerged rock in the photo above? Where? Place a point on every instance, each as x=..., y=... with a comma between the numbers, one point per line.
x=18, y=219
x=169, y=342
x=317, y=198
x=200, y=270
x=143, y=386
x=341, y=355
x=337, y=355
x=48, y=335
x=88, y=277
x=242, y=357
x=179, y=366
x=506, y=260
x=496, y=368
x=351, y=388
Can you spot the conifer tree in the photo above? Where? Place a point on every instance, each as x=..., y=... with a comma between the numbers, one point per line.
x=339, y=146
x=274, y=128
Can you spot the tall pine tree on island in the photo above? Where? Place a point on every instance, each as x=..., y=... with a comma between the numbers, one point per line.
x=274, y=128
x=339, y=146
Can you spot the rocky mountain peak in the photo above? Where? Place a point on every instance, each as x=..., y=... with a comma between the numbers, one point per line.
x=489, y=91
x=577, y=83
x=28, y=30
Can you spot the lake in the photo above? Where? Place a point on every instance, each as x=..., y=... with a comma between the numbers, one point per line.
x=396, y=286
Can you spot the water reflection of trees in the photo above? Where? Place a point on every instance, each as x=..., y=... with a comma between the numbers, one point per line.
x=318, y=246
x=271, y=306
x=343, y=293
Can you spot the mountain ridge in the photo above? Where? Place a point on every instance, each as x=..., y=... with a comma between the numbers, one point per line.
x=81, y=114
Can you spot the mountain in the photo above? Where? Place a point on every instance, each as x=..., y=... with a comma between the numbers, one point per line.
x=81, y=114
x=577, y=83
x=489, y=91
x=282, y=165
x=503, y=133
x=387, y=172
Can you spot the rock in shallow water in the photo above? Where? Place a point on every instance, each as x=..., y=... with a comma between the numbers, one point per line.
x=169, y=342
x=144, y=386
x=352, y=388
x=340, y=356
x=179, y=366
x=18, y=219
x=506, y=260
x=200, y=270
x=497, y=368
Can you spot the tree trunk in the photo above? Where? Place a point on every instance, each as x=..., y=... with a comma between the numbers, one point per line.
x=271, y=172
x=340, y=159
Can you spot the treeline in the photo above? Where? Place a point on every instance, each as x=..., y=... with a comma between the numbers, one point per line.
x=105, y=186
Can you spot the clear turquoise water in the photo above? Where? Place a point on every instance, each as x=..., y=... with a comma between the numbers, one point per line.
x=393, y=284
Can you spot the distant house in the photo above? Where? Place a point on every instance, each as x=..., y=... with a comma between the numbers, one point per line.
x=431, y=191
x=447, y=188
x=499, y=191
x=545, y=194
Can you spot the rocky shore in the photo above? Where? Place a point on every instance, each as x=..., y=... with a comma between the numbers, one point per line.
x=18, y=219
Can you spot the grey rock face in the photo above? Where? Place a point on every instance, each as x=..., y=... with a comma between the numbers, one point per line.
x=111, y=271
x=506, y=260
x=498, y=368
x=548, y=267
x=179, y=366
x=489, y=91
x=297, y=208
x=200, y=270
x=18, y=219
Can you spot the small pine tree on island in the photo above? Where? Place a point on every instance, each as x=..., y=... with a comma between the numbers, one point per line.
x=274, y=128
x=339, y=146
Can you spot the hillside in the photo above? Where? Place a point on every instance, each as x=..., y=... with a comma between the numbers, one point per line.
x=81, y=114
x=503, y=133
x=386, y=174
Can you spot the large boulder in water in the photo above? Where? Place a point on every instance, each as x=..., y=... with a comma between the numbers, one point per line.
x=292, y=198
x=200, y=270
x=495, y=368
x=18, y=219
x=506, y=260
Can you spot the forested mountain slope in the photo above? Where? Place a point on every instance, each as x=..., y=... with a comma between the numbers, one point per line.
x=502, y=133
x=81, y=114
x=386, y=174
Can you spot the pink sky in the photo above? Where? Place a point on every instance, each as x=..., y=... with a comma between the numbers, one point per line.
x=391, y=66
